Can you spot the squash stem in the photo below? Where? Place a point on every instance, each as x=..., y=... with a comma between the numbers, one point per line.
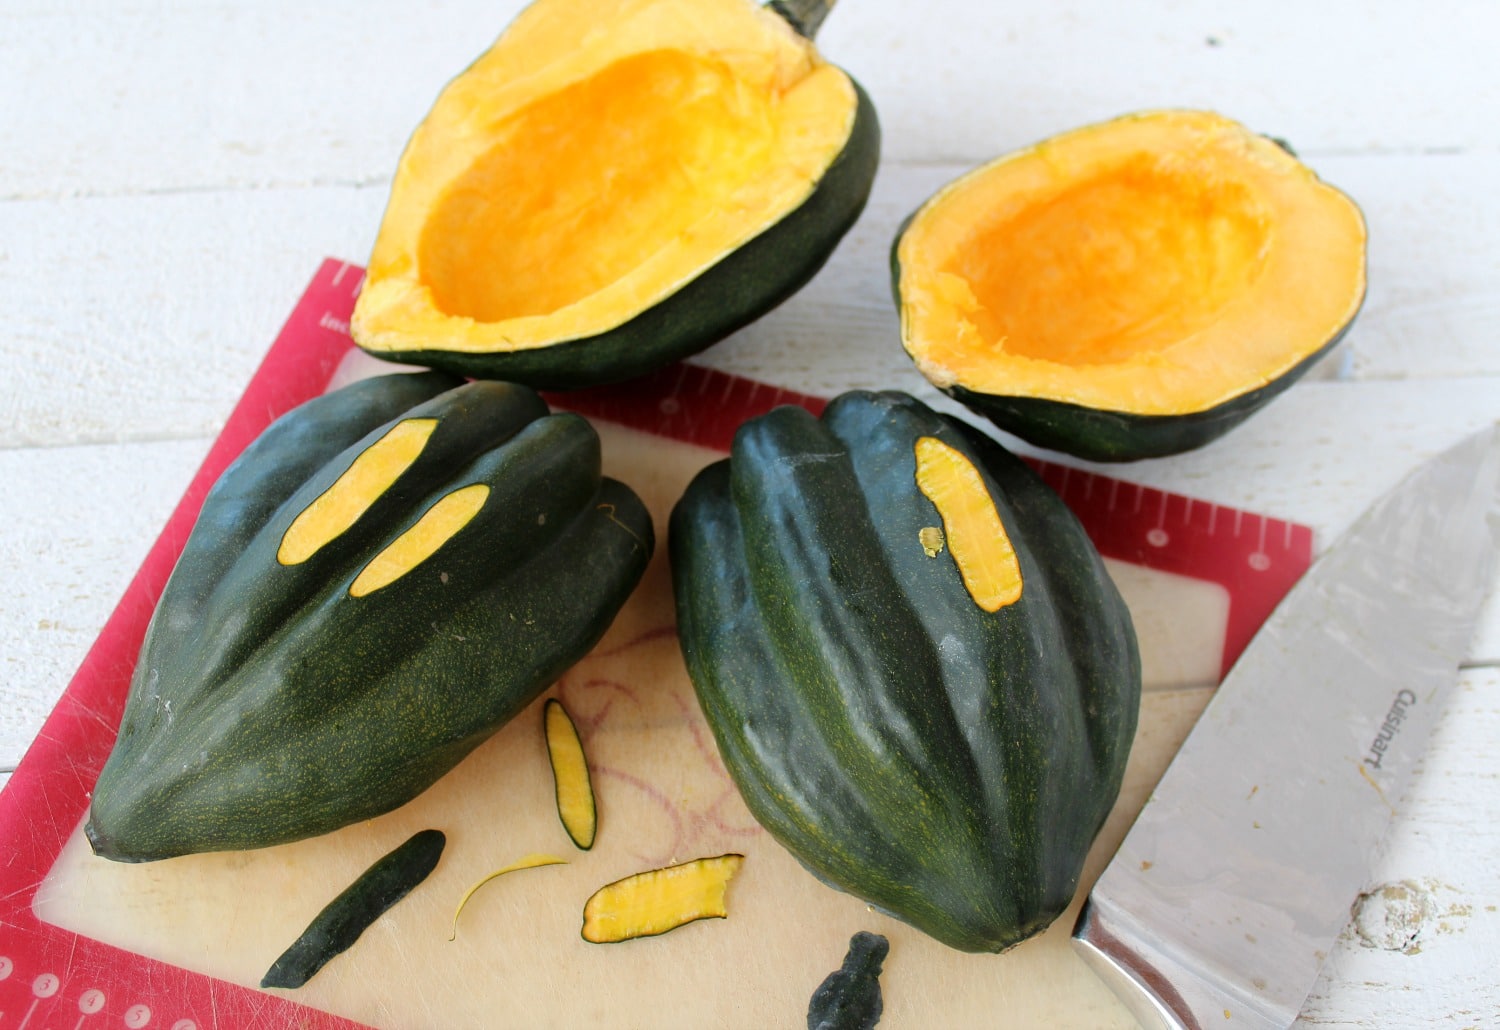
x=806, y=16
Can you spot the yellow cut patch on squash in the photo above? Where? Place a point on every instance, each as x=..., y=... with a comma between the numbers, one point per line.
x=570, y=774
x=659, y=900
x=975, y=535
x=599, y=156
x=437, y=525
x=1158, y=264
x=532, y=861
x=369, y=476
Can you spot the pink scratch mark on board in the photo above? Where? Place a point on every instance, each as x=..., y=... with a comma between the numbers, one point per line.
x=593, y=703
x=659, y=798
x=589, y=723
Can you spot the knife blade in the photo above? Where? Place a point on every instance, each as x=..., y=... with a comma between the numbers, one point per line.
x=1241, y=869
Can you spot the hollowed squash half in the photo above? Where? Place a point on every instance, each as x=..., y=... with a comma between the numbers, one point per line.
x=613, y=185
x=1130, y=289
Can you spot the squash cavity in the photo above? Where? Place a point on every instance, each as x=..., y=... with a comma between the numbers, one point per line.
x=1129, y=289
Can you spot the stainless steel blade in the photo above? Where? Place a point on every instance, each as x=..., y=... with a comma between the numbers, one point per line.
x=1240, y=872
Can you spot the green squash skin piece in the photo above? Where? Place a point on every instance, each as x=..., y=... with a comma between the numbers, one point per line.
x=1095, y=434
x=1102, y=435
x=269, y=705
x=335, y=929
x=947, y=765
x=741, y=287
x=849, y=998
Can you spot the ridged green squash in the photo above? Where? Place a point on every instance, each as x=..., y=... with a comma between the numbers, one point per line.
x=918, y=672
x=614, y=185
x=385, y=577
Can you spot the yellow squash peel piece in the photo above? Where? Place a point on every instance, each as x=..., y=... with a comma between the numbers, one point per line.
x=975, y=535
x=369, y=476
x=659, y=900
x=437, y=525
x=532, y=861
x=570, y=772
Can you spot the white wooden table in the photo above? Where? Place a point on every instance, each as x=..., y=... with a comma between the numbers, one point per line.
x=171, y=175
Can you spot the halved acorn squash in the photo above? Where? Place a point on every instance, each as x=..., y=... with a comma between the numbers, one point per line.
x=1130, y=289
x=613, y=185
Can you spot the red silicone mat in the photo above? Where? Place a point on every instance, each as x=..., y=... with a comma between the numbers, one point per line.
x=56, y=979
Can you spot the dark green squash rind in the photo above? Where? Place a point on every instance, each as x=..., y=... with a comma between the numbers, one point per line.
x=849, y=998
x=806, y=16
x=1115, y=436
x=947, y=766
x=741, y=287
x=335, y=929
x=285, y=708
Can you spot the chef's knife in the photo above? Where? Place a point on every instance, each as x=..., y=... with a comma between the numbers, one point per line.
x=1241, y=870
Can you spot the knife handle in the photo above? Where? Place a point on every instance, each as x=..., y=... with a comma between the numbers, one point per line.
x=1161, y=991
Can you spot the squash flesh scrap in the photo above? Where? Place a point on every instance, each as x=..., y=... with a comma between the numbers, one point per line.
x=651, y=903
x=976, y=537
x=1159, y=264
x=564, y=184
x=570, y=771
x=535, y=860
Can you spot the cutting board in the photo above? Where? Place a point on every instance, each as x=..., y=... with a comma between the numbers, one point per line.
x=181, y=944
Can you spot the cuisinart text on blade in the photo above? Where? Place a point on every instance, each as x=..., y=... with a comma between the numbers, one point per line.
x=1232, y=885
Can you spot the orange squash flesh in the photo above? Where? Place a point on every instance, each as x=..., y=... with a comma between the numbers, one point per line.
x=1160, y=264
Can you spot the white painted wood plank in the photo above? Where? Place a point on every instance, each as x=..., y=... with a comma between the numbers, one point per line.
x=297, y=94
x=144, y=318
x=141, y=317
x=132, y=98
x=78, y=523
x=958, y=79
x=1420, y=950
x=1433, y=305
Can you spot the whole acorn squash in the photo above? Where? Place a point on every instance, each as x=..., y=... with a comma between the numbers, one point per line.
x=380, y=581
x=1130, y=289
x=918, y=672
x=616, y=184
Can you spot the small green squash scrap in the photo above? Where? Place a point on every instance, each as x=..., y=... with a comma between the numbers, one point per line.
x=335, y=929
x=939, y=731
x=383, y=579
x=849, y=998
